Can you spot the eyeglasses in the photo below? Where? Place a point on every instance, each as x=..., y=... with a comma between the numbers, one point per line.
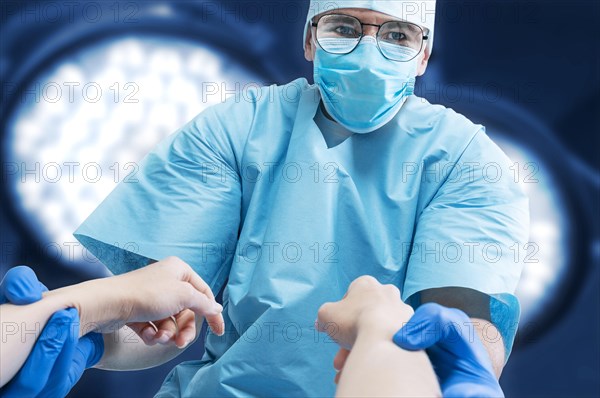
x=397, y=40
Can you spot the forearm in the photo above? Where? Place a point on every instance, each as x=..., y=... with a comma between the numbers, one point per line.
x=125, y=350
x=493, y=343
x=477, y=306
x=376, y=367
x=22, y=325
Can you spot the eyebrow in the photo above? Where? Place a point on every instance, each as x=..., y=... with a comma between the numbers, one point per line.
x=339, y=12
x=412, y=26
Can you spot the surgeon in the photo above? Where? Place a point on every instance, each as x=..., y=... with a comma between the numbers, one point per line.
x=282, y=198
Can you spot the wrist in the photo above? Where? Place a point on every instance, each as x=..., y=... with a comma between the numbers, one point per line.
x=97, y=301
x=381, y=324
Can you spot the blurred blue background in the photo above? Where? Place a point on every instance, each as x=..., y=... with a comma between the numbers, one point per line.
x=89, y=87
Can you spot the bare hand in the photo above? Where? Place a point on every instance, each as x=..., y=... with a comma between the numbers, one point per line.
x=367, y=306
x=156, y=292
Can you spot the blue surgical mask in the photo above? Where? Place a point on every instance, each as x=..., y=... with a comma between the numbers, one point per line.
x=363, y=90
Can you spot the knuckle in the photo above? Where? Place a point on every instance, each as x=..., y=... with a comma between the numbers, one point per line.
x=433, y=309
x=368, y=279
x=364, y=281
x=458, y=315
x=323, y=311
x=392, y=289
x=186, y=291
x=173, y=260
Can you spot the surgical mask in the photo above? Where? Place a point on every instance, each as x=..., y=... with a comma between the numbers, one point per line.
x=363, y=90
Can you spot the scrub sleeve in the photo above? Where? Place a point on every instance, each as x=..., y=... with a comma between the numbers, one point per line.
x=466, y=236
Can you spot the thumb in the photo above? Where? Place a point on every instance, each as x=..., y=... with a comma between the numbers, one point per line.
x=21, y=286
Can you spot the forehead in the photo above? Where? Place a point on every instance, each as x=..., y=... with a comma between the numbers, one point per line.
x=365, y=15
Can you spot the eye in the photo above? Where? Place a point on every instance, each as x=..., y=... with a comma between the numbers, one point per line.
x=346, y=30
x=395, y=36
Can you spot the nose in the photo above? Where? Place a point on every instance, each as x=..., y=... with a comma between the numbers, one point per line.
x=370, y=30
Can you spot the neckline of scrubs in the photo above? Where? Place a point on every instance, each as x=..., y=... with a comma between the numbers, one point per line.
x=308, y=109
x=333, y=132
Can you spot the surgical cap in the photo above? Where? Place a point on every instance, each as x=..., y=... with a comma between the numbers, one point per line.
x=420, y=12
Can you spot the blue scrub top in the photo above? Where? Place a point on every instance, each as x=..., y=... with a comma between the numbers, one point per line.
x=249, y=192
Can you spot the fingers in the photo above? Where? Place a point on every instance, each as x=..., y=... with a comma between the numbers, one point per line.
x=145, y=330
x=199, y=284
x=422, y=330
x=166, y=330
x=180, y=329
x=190, y=276
x=187, y=328
x=201, y=300
x=205, y=307
x=214, y=318
x=216, y=323
x=338, y=363
x=91, y=347
x=57, y=385
x=86, y=355
x=336, y=379
x=20, y=286
x=434, y=324
x=325, y=316
x=340, y=358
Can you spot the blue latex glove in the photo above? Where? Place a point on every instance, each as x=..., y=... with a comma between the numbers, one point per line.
x=20, y=286
x=58, y=358
x=459, y=358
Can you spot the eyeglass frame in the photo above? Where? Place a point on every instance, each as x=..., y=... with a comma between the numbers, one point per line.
x=362, y=34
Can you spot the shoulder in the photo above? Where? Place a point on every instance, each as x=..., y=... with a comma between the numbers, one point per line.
x=254, y=98
x=421, y=117
x=237, y=115
x=435, y=133
x=226, y=126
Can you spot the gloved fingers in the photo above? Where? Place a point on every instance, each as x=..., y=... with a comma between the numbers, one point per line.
x=20, y=286
x=472, y=389
x=449, y=328
x=91, y=347
x=186, y=320
x=34, y=374
x=431, y=324
x=58, y=384
x=88, y=351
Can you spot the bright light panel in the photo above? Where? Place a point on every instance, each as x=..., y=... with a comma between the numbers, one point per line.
x=547, y=255
x=102, y=109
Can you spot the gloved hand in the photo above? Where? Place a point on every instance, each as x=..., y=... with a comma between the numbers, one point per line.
x=459, y=358
x=20, y=286
x=58, y=358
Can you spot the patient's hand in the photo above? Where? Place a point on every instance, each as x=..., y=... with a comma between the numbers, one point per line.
x=188, y=296
x=167, y=288
x=368, y=307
